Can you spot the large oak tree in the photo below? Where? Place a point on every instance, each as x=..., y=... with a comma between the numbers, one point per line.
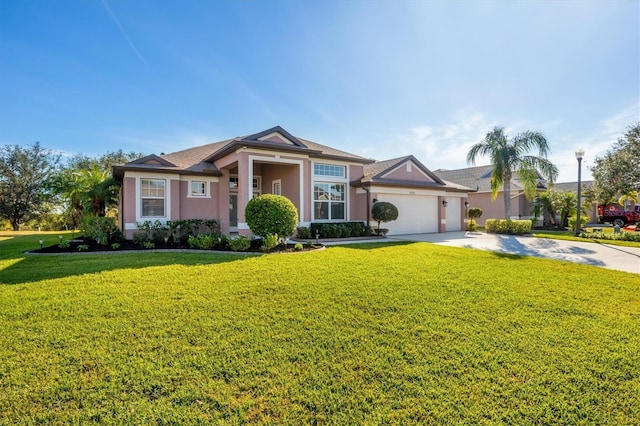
x=24, y=172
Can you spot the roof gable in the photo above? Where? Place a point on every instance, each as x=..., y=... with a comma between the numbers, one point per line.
x=406, y=168
x=275, y=135
x=152, y=160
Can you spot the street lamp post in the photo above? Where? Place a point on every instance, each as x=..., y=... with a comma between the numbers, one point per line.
x=579, y=155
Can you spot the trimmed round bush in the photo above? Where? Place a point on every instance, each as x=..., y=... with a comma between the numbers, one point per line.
x=271, y=214
x=384, y=211
x=474, y=212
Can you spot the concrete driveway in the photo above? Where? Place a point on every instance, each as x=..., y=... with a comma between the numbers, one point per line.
x=605, y=256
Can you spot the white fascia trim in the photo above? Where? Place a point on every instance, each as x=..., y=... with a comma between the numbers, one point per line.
x=273, y=156
x=407, y=191
x=277, y=159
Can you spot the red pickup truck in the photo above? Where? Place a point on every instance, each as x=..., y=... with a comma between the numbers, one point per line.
x=617, y=215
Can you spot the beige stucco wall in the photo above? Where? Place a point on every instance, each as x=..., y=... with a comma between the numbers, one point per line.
x=494, y=209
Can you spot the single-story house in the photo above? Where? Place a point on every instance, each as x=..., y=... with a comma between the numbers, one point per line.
x=479, y=179
x=217, y=180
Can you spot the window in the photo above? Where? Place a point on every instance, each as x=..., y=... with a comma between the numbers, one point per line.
x=152, y=194
x=329, y=170
x=276, y=187
x=198, y=189
x=329, y=201
x=233, y=183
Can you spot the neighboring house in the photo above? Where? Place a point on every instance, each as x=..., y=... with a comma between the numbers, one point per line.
x=479, y=179
x=216, y=181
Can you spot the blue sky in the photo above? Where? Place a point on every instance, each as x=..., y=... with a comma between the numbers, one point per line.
x=377, y=78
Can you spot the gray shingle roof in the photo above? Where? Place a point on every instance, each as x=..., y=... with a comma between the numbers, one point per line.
x=571, y=186
x=478, y=178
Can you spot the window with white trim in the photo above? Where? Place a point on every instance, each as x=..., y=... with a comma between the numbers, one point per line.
x=329, y=192
x=276, y=187
x=332, y=170
x=329, y=201
x=256, y=185
x=152, y=197
x=198, y=189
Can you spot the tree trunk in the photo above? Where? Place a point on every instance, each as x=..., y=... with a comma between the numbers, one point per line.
x=15, y=225
x=507, y=199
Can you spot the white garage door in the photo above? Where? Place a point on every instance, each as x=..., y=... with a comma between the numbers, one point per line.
x=416, y=214
x=454, y=215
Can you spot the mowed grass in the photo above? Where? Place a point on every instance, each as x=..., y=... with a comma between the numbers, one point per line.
x=367, y=334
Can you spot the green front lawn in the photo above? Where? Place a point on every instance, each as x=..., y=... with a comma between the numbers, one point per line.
x=372, y=333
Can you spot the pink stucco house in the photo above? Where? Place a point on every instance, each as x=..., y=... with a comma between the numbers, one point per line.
x=215, y=181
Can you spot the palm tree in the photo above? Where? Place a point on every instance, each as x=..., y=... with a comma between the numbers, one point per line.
x=630, y=198
x=509, y=158
x=100, y=189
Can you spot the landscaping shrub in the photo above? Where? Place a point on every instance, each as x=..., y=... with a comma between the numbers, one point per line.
x=584, y=219
x=297, y=247
x=140, y=237
x=474, y=212
x=181, y=230
x=202, y=241
x=339, y=230
x=156, y=231
x=270, y=242
x=383, y=211
x=240, y=243
x=502, y=226
x=271, y=214
x=103, y=230
x=622, y=236
x=303, y=232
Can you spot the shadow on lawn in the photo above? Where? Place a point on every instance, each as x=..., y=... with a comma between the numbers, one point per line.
x=512, y=248
x=26, y=268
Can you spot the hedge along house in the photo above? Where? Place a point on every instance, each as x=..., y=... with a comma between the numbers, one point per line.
x=217, y=180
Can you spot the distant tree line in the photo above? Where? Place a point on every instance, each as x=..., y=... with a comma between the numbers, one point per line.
x=39, y=190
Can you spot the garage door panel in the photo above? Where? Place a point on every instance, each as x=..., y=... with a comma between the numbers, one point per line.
x=454, y=215
x=416, y=214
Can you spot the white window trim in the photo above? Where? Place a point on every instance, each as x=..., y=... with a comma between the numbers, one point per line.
x=330, y=179
x=207, y=188
x=168, y=178
x=253, y=190
x=273, y=186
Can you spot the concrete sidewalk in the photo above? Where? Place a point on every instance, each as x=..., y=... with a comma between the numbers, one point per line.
x=605, y=256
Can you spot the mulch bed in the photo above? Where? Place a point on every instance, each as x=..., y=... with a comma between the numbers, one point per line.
x=127, y=245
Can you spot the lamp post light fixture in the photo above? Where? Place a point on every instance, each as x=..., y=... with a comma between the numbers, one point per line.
x=444, y=203
x=579, y=156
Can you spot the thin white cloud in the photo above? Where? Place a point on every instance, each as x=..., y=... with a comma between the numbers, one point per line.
x=446, y=146
x=123, y=32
